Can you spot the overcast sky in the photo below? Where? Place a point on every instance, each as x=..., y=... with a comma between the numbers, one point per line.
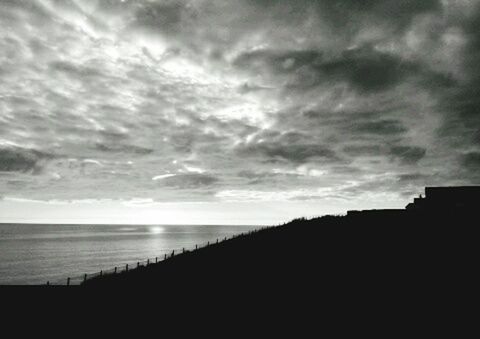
x=245, y=111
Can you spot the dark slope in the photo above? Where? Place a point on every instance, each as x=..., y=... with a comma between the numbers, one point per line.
x=393, y=259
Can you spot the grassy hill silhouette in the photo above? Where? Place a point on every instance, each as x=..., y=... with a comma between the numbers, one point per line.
x=378, y=271
x=380, y=257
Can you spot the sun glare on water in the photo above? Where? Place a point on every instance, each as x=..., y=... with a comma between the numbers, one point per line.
x=156, y=230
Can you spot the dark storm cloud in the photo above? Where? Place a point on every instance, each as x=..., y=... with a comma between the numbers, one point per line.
x=249, y=174
x=391, y=12
x=16, y=159
x=190, y=181
x=363, y=150
x=165, y=15
x=342, y=13
x=291, y=147
x=471, y=161
x=408, y=154
x=278, y=62
x=78, y=71
x=249, y=88
x=460, y=128
x=412, y=177
x=382, y=127
x=117, y=148
x=267, y=178
x=213, y=96
x=365, y=69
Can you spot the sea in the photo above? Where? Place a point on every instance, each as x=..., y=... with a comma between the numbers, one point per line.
x=32, y=254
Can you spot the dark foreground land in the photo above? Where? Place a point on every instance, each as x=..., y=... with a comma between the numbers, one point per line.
x=408, y=273
x=390, y=259
x=376, y=273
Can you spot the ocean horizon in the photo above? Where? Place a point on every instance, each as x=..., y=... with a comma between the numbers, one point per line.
x=32, y=254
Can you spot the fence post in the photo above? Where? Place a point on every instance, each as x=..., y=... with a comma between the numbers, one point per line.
x=126, y=268
x=165, y=257
x=48, y=283
x=183, y=250
x=208, y=243
x=138, y=264
x=101, y=272
x=173, y=253
x=196, y=246
x=85, y=277
x=68, y=281
x=156, y=260
x=217, y=240
x=148, y=262
x=115, y=269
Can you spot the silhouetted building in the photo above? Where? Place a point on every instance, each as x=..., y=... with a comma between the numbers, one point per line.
x=437, y=200
x=447, y=198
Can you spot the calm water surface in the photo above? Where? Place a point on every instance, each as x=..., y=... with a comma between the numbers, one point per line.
x=35, y=254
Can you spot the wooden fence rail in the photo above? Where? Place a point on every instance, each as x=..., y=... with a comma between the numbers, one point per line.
x=78, y=280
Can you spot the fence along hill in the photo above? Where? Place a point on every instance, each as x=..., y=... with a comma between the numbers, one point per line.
x=383, y=256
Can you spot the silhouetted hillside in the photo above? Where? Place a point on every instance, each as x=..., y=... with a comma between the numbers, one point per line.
x=379, y=258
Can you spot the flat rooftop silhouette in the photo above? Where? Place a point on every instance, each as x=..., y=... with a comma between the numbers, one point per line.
x=445, y=199
x=439, y=198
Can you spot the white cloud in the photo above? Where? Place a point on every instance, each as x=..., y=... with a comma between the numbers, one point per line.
x=173, y=99
x=163, y=176
x=193, y=169
x=250, y=195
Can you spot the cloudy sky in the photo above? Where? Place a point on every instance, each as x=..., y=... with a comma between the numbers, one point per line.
x=245, y=111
